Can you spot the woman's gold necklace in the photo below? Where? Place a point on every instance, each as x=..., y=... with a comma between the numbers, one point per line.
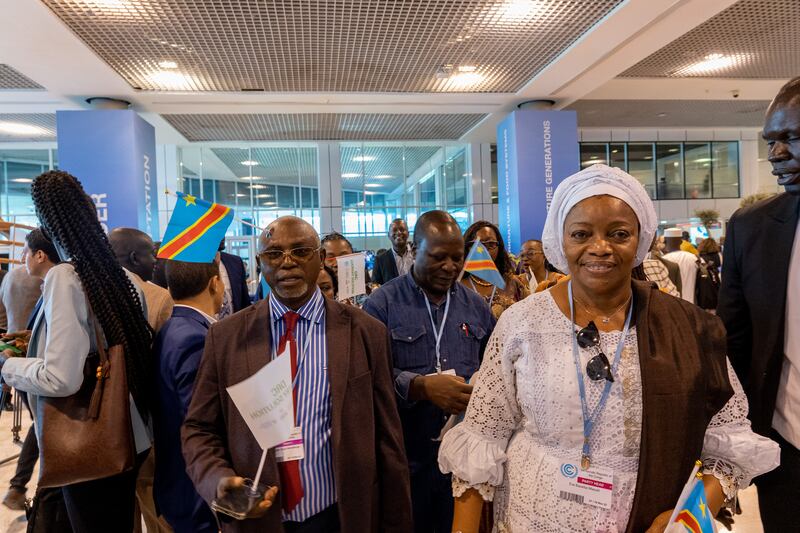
x=481, y=282
x=603, y=319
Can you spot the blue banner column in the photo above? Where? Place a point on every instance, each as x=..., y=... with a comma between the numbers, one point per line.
x=536, y=150
x=113, y=154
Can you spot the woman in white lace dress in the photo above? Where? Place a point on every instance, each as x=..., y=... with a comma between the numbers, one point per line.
x=612, y=452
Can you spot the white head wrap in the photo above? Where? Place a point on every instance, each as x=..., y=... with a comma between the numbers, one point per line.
x=597, y=180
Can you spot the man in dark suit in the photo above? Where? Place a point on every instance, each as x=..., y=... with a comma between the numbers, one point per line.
x=197, y=290
x=398, y=260
x=352, y=474
x=759, y=302
x=234, y=276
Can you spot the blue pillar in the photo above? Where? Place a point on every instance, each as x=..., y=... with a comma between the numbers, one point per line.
x=113, y=154
x=536, y=150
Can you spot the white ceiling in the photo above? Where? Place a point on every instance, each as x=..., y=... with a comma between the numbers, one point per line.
x=374, y=58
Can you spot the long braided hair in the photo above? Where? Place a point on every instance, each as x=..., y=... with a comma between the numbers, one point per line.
x=68, y=215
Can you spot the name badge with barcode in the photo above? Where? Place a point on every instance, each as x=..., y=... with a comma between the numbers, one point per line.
x=585, y=487
x=292, y=448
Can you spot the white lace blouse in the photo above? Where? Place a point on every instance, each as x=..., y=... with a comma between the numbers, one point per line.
x=525, y=413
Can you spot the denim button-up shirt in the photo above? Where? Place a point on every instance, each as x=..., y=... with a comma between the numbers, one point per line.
x=400, y=304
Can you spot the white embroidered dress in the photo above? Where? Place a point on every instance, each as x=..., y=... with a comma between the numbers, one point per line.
x=525, y=420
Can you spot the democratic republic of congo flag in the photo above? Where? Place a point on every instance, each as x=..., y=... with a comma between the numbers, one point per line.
x=479, y=264
x=194, y=230
x=693, y=514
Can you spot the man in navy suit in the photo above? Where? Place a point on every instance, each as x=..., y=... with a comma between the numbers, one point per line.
x=234, y=277
x=198, y=291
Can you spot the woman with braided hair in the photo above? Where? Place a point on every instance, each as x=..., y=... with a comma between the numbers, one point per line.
x=64, y=333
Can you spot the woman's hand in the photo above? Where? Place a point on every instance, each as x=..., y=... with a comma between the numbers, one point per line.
x=661, y=522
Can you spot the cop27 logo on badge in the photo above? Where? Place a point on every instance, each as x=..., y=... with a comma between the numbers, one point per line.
x=569, y=470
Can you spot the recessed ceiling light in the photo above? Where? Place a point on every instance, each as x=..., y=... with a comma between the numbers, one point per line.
x=465, y=79
x=661, y=115
x=108, y=4
x=267, y=203
x=252, y=178
x=22, y=180
x=249, y=163
x=517, y=10
x=373, y=185
x=467, y=68
x=351, y=175
x=264, y=195
x=17, y=128
x=372, y=193
x=592, y=162
x=675, y=164
x=361, y=158
x=713, y=63
x=673, y=150
x=168, y=64
x=257, y=186
x=614, y=151
x=171, y=80
x=383, y=177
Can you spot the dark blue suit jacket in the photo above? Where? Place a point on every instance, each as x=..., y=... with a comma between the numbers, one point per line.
x=178, y=349
x=238, y=278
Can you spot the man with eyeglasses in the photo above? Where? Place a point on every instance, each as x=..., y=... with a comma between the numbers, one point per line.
x=352, y=474
x=439, y=330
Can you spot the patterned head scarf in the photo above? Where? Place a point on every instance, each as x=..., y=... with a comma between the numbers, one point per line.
x=597, y=180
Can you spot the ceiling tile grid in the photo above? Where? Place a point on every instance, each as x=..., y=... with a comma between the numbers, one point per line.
x=330, y=45
x=322, y=126
x=27, y=127
x=670, y=113
x=12, y=79
x=750, y=39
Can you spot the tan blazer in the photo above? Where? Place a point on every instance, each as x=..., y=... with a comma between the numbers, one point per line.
x=159, y=302
x=369, y=462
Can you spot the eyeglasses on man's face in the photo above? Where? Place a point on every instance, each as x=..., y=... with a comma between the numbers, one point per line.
x=598, y=367
x=302, y=254
x=490, y=245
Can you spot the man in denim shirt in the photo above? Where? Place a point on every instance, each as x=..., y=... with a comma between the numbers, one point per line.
x=417, y=308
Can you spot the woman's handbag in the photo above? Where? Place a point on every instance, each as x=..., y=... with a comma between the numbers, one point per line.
x=88, y=435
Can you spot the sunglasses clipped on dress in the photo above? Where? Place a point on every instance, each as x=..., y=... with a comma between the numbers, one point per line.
x=598, y=367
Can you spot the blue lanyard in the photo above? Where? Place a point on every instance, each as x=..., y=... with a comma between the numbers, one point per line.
x=438, y=334
x=589, y=419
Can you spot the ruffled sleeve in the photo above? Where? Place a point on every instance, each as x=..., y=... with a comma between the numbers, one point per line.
x=474, y=450
x=732, y=452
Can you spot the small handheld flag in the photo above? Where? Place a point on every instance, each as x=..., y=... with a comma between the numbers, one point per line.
x=692, y=514
x=194, y=230
x=479, y=264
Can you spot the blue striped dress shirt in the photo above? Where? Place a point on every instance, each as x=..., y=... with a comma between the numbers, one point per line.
x=313, y=403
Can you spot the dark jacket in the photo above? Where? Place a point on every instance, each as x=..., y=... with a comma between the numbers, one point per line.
x=385, y=268
x=178, y=348
x=684, y=384
x=752, y=299
x=369, y=464
x=234, y=266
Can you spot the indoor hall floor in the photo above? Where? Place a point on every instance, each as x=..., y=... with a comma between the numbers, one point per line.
x=14, y=521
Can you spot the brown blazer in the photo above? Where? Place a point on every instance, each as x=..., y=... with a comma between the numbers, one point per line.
x=684, y=384
x=369, y=462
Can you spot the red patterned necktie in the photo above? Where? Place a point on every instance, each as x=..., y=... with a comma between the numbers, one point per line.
x=291, y=484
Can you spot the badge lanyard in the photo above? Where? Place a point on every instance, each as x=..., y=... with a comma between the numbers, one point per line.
x=494, y=290
x=438, y=334
x=590, y=419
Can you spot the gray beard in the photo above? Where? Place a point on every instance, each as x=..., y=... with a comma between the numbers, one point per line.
x=291, y=294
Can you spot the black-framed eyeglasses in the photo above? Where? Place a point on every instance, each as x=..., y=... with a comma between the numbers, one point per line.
x=490, y=245
x=598, y=367
x=301, y=254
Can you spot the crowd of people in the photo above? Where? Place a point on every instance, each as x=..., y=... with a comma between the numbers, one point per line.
x=437, y=402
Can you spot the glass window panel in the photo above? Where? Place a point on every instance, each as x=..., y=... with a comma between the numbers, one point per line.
x=495, y=198
x=642, y=166
x=209, y=191
x=725, y=168
x=18, y=168
x=616, y=155
x=697, y=157
x=225, y=192
x=669, y=171
x=286, y=197
x=592, y=154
